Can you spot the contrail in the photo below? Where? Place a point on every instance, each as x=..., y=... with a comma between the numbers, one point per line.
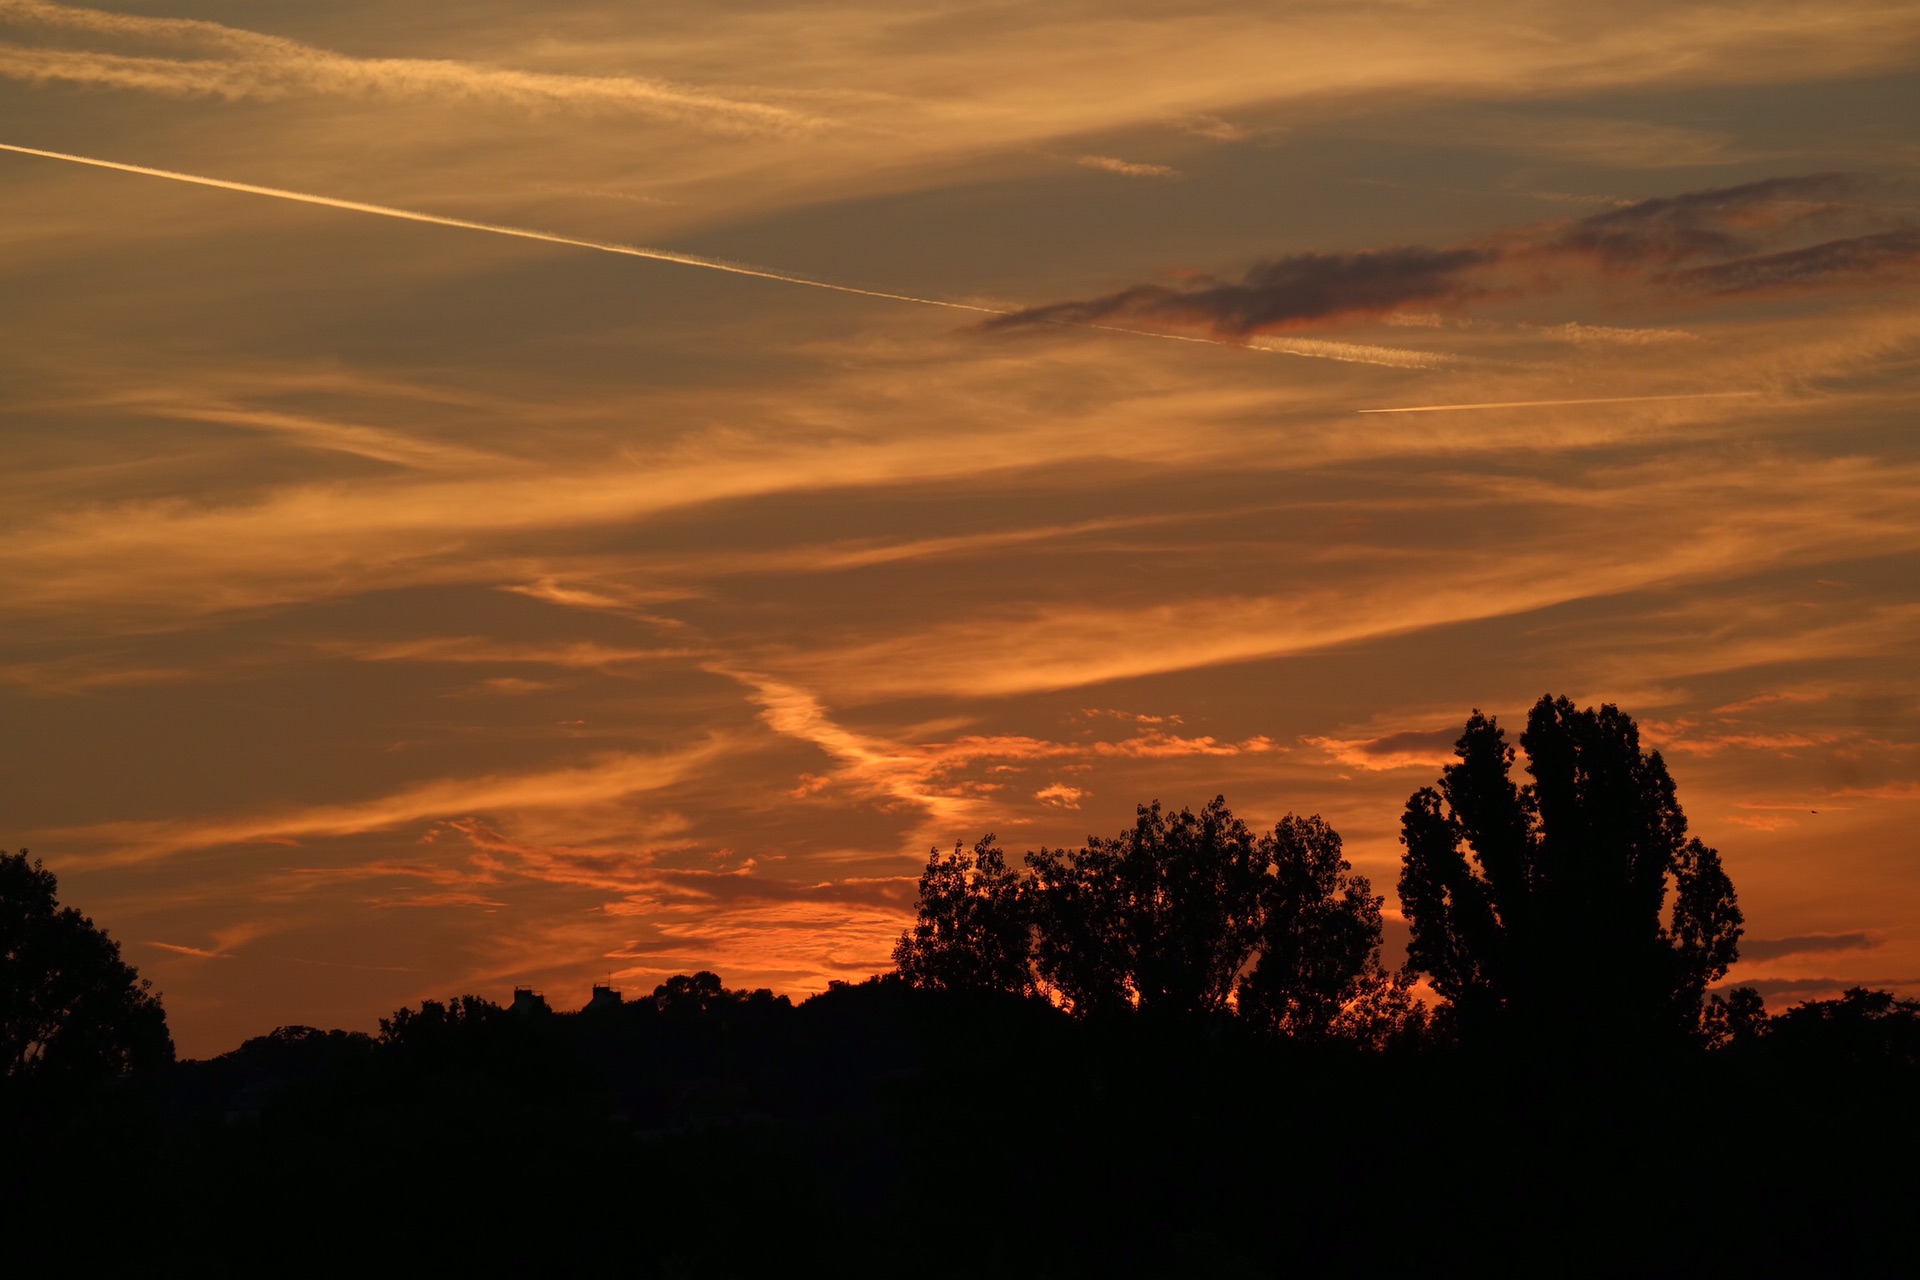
x=1349, y=352
x=1536, y=404
x=501, y=229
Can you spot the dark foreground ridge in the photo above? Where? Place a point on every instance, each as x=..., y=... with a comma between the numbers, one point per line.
x=1174, y=1051
x=881, y=1129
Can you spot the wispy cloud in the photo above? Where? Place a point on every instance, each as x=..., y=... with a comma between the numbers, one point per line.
x=1763, y=949
x=1884, y=791
x=1876, y=258
x=225, y=942
x=1060, y=795
x=933, y=777
x=374, y=443
x=607, y=778
x=1689, y=739
x=1406, y=749
x=1719, y=222
x=1126, y=168
x=197, y=953
x=1297, y=290
x=81, y=673
x=1660, y=243
x=238, y=64
x=577, y=655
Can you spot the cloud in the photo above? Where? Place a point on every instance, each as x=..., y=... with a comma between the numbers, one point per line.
x=1353, y=352
x=1059, y=795
x=225, y=941
x=1881, y=255
x=1611, y=335
x=1624, y=144
x=642, y=886
x=1126, y=168
x=1410, y=748
x=1201, y=125
x=1733, y=709
x=798, y=946
x=743, y=884
x=198, y=953
x=83, y=673
x=931, y=776
x=1660, y=243
x=240, y=65
x=1758, y=949
x=1283, y=293
x=607, y=778
x=1817, y=988
x=1719, y=221
x=1684, y=738
x=454, y=899
x=1886, y=791
x=373, y=443
x=585, y=655
x=1546, y=404
x=512, y=686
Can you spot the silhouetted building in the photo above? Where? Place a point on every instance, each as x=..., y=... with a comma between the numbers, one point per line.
x=527, y=1001
x=603, y=997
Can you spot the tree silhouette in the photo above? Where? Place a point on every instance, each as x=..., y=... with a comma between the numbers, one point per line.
x=1539, y=907
x=71, y=1010
x=1862, y=1028
x=436, y=1024
x=694, y=994
x=1183, y=914
x=973, y=928
x=1735, y=1019
x=1319, y=969
x=1163, y=917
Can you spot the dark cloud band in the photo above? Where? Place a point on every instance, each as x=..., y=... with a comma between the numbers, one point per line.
x=1722, y=240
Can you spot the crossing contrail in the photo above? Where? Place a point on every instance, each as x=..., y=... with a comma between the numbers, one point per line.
x=1329, y=351
x=1538, y=404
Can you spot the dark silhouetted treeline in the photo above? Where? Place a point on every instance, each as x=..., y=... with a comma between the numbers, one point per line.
x=1174, y=1051
x=877, y=1128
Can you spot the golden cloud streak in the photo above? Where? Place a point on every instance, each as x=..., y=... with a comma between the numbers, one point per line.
x=1542, y=404
x=609, y=778
x=249, y=65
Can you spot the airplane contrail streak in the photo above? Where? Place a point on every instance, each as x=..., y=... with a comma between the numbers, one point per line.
x=1347, y=352
x=1537, y=404
x=501, y=229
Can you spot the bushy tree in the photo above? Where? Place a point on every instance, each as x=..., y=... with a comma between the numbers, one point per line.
x=694, y=995
x=1162, y=918
x=1861, y=1029
x=1318, y=973
x=436, y=1024
x=973, y=929
x=1183, y=914
x=1735, y=1019
x=71, y=1010
x=1574, y=905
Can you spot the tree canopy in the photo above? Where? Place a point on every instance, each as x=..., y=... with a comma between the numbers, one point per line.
x=71, y=1010
x=1574, y=904
x=1162, y=917
x=972, y=933
x=1319, y=969
x=1183, y=914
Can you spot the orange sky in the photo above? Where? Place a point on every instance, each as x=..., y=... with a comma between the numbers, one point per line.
x=395, y=609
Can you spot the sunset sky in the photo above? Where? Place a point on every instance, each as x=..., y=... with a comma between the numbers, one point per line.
x=395, y=608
